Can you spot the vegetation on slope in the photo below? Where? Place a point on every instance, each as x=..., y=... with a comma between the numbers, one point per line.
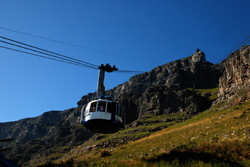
x=216, y=137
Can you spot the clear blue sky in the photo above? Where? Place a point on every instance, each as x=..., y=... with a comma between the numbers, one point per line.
x=140, y=34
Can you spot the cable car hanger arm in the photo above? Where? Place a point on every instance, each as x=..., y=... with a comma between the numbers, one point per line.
x=100, y=85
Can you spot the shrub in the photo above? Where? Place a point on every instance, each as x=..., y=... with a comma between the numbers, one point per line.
x=105, y=153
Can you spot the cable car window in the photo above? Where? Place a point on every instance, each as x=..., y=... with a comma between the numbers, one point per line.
x=112, y=108
x=101, y=106
x=117, y=109
x=85, y=110
x=122, y=114
x=93, y=107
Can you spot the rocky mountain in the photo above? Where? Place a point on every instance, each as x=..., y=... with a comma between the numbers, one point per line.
x=170, y=88
x=235, y=80
x=37, y=135
x=30, y=128
x=165, y=88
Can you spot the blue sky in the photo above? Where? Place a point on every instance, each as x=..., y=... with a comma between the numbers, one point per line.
x=135, y=35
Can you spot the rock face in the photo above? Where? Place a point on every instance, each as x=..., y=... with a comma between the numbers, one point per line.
x=165, y=88
x=236, y=77
x=34, y=137
x=64, y=139
x=30, y=128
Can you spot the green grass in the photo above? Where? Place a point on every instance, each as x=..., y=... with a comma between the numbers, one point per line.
x=210, y=92
x=212, y=130
x=215, y=137
x=227, y=153
x=152, y=118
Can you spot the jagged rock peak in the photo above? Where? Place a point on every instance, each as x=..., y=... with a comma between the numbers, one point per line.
x=198, y=56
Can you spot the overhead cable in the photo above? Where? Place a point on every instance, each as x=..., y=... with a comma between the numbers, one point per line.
x=45, y=57
x=73, y=59
x=53, y=55
x=126, y=71
x=234, y=49
x=63, y=59
x=75, y=45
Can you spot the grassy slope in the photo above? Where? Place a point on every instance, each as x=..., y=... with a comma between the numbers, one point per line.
x=216, y=137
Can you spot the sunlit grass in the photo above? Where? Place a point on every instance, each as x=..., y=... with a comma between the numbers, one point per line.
x=211, y=93
x=216, y=137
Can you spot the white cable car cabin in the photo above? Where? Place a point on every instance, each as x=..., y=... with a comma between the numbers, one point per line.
x=102, y=115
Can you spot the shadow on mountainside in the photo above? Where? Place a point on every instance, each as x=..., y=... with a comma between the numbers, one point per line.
x=178, y=158
x=174, y=158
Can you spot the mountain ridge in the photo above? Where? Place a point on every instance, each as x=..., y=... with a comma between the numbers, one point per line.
x=165, y=89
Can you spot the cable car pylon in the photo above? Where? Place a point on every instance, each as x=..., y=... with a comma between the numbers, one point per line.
x=102, y=115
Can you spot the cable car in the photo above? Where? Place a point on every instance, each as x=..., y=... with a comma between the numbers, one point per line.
x=102, y=115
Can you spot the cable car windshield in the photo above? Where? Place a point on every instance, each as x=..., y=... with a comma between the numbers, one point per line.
x=112, y=108
x=101, y=106
x=93, y=107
